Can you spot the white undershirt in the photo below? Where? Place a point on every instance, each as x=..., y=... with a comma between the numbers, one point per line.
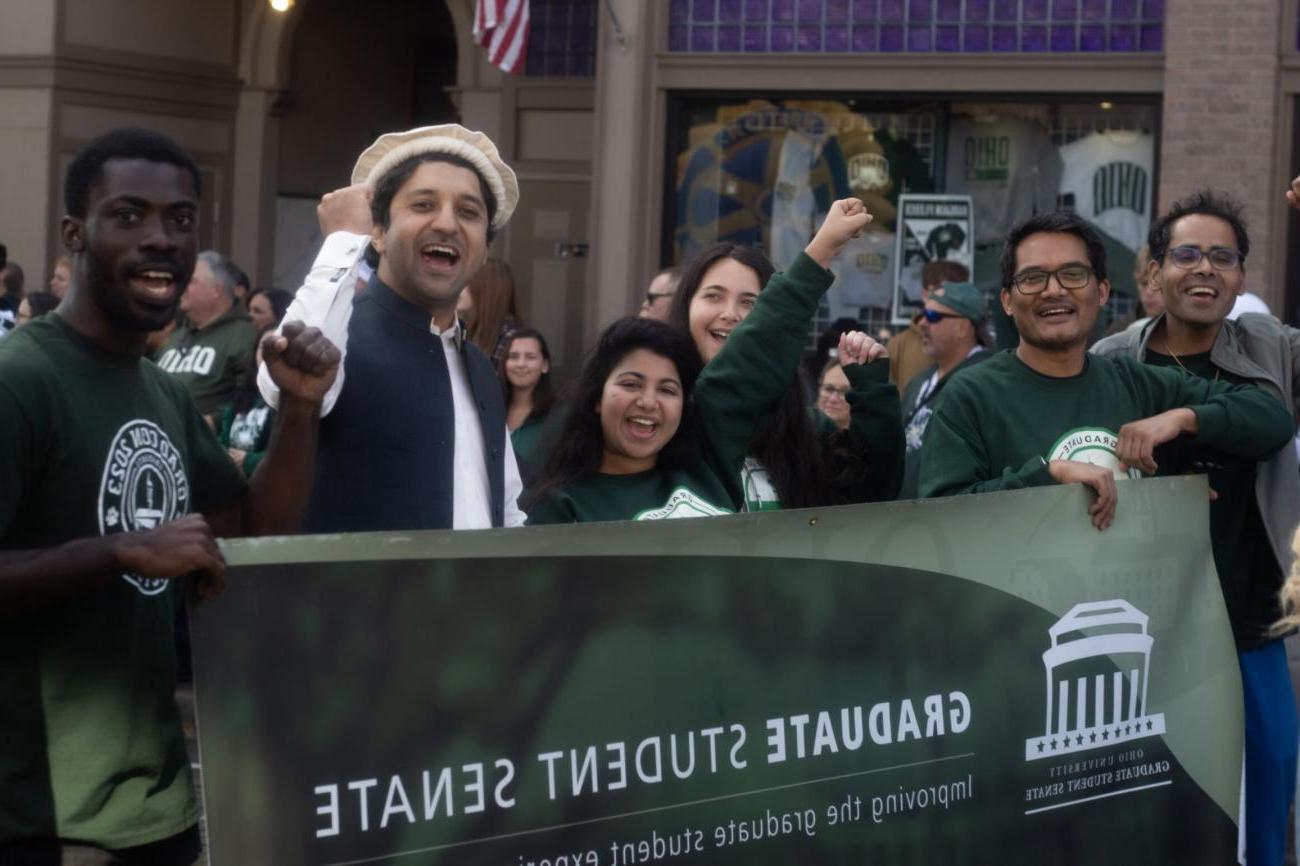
x=325, y=302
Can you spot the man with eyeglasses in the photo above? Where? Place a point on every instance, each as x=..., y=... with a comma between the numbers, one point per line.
x=1046, y=412
x=1198, y=256
x=950, y=337
x=659, y=296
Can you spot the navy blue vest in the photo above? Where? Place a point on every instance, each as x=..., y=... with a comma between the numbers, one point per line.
x=388, y=447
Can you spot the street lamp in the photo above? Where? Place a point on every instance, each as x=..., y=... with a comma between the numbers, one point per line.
x=281, y=5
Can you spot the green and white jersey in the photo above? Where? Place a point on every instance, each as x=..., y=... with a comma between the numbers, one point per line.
x=95, y=443
x=656, y=494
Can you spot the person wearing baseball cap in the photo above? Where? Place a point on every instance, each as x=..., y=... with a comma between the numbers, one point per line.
x=951, y=325
x=415, y=431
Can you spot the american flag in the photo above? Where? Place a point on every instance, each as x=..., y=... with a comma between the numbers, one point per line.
x=501, y=27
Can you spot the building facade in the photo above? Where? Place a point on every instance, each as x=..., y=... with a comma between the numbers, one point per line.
x=645, y=130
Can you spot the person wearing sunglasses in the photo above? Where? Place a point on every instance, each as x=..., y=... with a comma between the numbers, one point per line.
x=951, y=327
x=659, y=296
x=1198, y=261
x=1048, y=413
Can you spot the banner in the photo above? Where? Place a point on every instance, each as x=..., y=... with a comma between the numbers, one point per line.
x=981, y=679
x=931, y=228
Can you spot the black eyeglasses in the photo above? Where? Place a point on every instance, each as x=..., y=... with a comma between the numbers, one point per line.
x=1069, y=277
x=1221, y=258
x=934, y=316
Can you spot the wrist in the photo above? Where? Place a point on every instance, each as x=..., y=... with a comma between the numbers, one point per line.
x=1187, y=420
x=819, y=252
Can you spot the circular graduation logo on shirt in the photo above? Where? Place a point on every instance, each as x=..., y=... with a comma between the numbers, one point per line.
x=1095, y=446
x=144, y=486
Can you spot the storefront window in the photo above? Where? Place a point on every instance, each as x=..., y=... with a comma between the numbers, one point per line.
x=864, y=26
x=762, y=172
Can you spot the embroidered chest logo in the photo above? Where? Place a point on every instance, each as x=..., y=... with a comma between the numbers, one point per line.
x=144, y=486
x=682, y=503
x=1093, y=445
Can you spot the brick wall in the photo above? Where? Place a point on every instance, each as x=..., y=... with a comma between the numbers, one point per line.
x=1220, y=115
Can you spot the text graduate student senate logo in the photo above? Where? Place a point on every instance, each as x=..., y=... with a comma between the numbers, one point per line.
x=1090, y=705
x=144, y=486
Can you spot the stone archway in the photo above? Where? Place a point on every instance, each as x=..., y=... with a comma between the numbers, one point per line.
x=265, y=67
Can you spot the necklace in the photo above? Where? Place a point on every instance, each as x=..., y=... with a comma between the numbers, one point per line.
x=1181, y=366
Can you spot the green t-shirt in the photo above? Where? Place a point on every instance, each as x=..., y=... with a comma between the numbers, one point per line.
x=1243, y=554
x=656, y=494
x=91, y=747
x=997, y=424
x=212, y=361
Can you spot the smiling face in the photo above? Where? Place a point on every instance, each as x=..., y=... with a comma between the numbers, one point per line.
x=726, y=294
x=1200, y=296
x=60, y=280
x=525, y=363
x=136, y=247
x=831, y=393
x=436, y=239
x=640, y=410
x=1055, y=319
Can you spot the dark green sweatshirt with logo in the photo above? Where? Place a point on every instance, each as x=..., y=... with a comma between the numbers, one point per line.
x=998, y=423
x=212, y=361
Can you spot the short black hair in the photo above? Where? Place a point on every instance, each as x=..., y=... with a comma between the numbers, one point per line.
x=87, y=166
x=1204, y=201
x=382, y=202
x=1056, y=222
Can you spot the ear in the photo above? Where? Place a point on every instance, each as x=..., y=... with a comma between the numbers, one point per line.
x=72, y=232
x=377, y=238
x=546, y=366
x=1005, y=297
x=1104, y=289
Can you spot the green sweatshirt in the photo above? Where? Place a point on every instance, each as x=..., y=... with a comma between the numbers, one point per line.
x=744, y=384
x=212, y=361
x=997, y=424
x=735, y=396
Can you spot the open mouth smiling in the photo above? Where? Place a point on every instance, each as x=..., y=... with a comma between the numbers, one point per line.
x=441, y=256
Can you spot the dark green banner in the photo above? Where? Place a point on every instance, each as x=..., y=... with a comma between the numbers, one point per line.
x=982, y=679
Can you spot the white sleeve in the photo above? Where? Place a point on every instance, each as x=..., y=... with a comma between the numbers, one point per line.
x=324, y=301
x=514, y=487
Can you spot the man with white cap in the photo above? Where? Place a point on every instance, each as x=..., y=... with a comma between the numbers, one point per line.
x=415, y=435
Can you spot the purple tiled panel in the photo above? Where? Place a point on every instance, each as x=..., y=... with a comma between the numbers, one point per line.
x=863, y=26
x=947, y=10
x=562, y=36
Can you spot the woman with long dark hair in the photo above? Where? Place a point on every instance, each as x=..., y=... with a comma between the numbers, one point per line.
x=488, y=307
x=797, y=458
x=525, y=374
x=642, y=439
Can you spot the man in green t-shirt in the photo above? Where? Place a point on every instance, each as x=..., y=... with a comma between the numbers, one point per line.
x=1046, y=412
x=111, y=484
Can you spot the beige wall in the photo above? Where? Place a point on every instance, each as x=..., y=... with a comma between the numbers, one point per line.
x=197, y=31
x=1221, y=120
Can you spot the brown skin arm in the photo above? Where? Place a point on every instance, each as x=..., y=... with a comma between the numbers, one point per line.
x=30, y=579
x=303, y=363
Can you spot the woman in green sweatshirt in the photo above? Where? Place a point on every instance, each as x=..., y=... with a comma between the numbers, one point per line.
x=796, y=457
x=642, y=439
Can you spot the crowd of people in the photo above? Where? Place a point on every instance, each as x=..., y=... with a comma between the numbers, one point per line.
x=158, y=404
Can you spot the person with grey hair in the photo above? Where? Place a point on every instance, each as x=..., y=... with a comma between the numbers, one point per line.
x=212, y=352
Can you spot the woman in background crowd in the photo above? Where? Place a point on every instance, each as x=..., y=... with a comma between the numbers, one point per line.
x=642, y=439
x=794, y=460
x=526, y=382
x=487, y=306
x=34, y=306
x=60, y=277
x=244, y=427
x=832, y=394
x=266, y=307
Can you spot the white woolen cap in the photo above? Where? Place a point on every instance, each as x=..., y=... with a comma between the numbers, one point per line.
x=452, y=139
